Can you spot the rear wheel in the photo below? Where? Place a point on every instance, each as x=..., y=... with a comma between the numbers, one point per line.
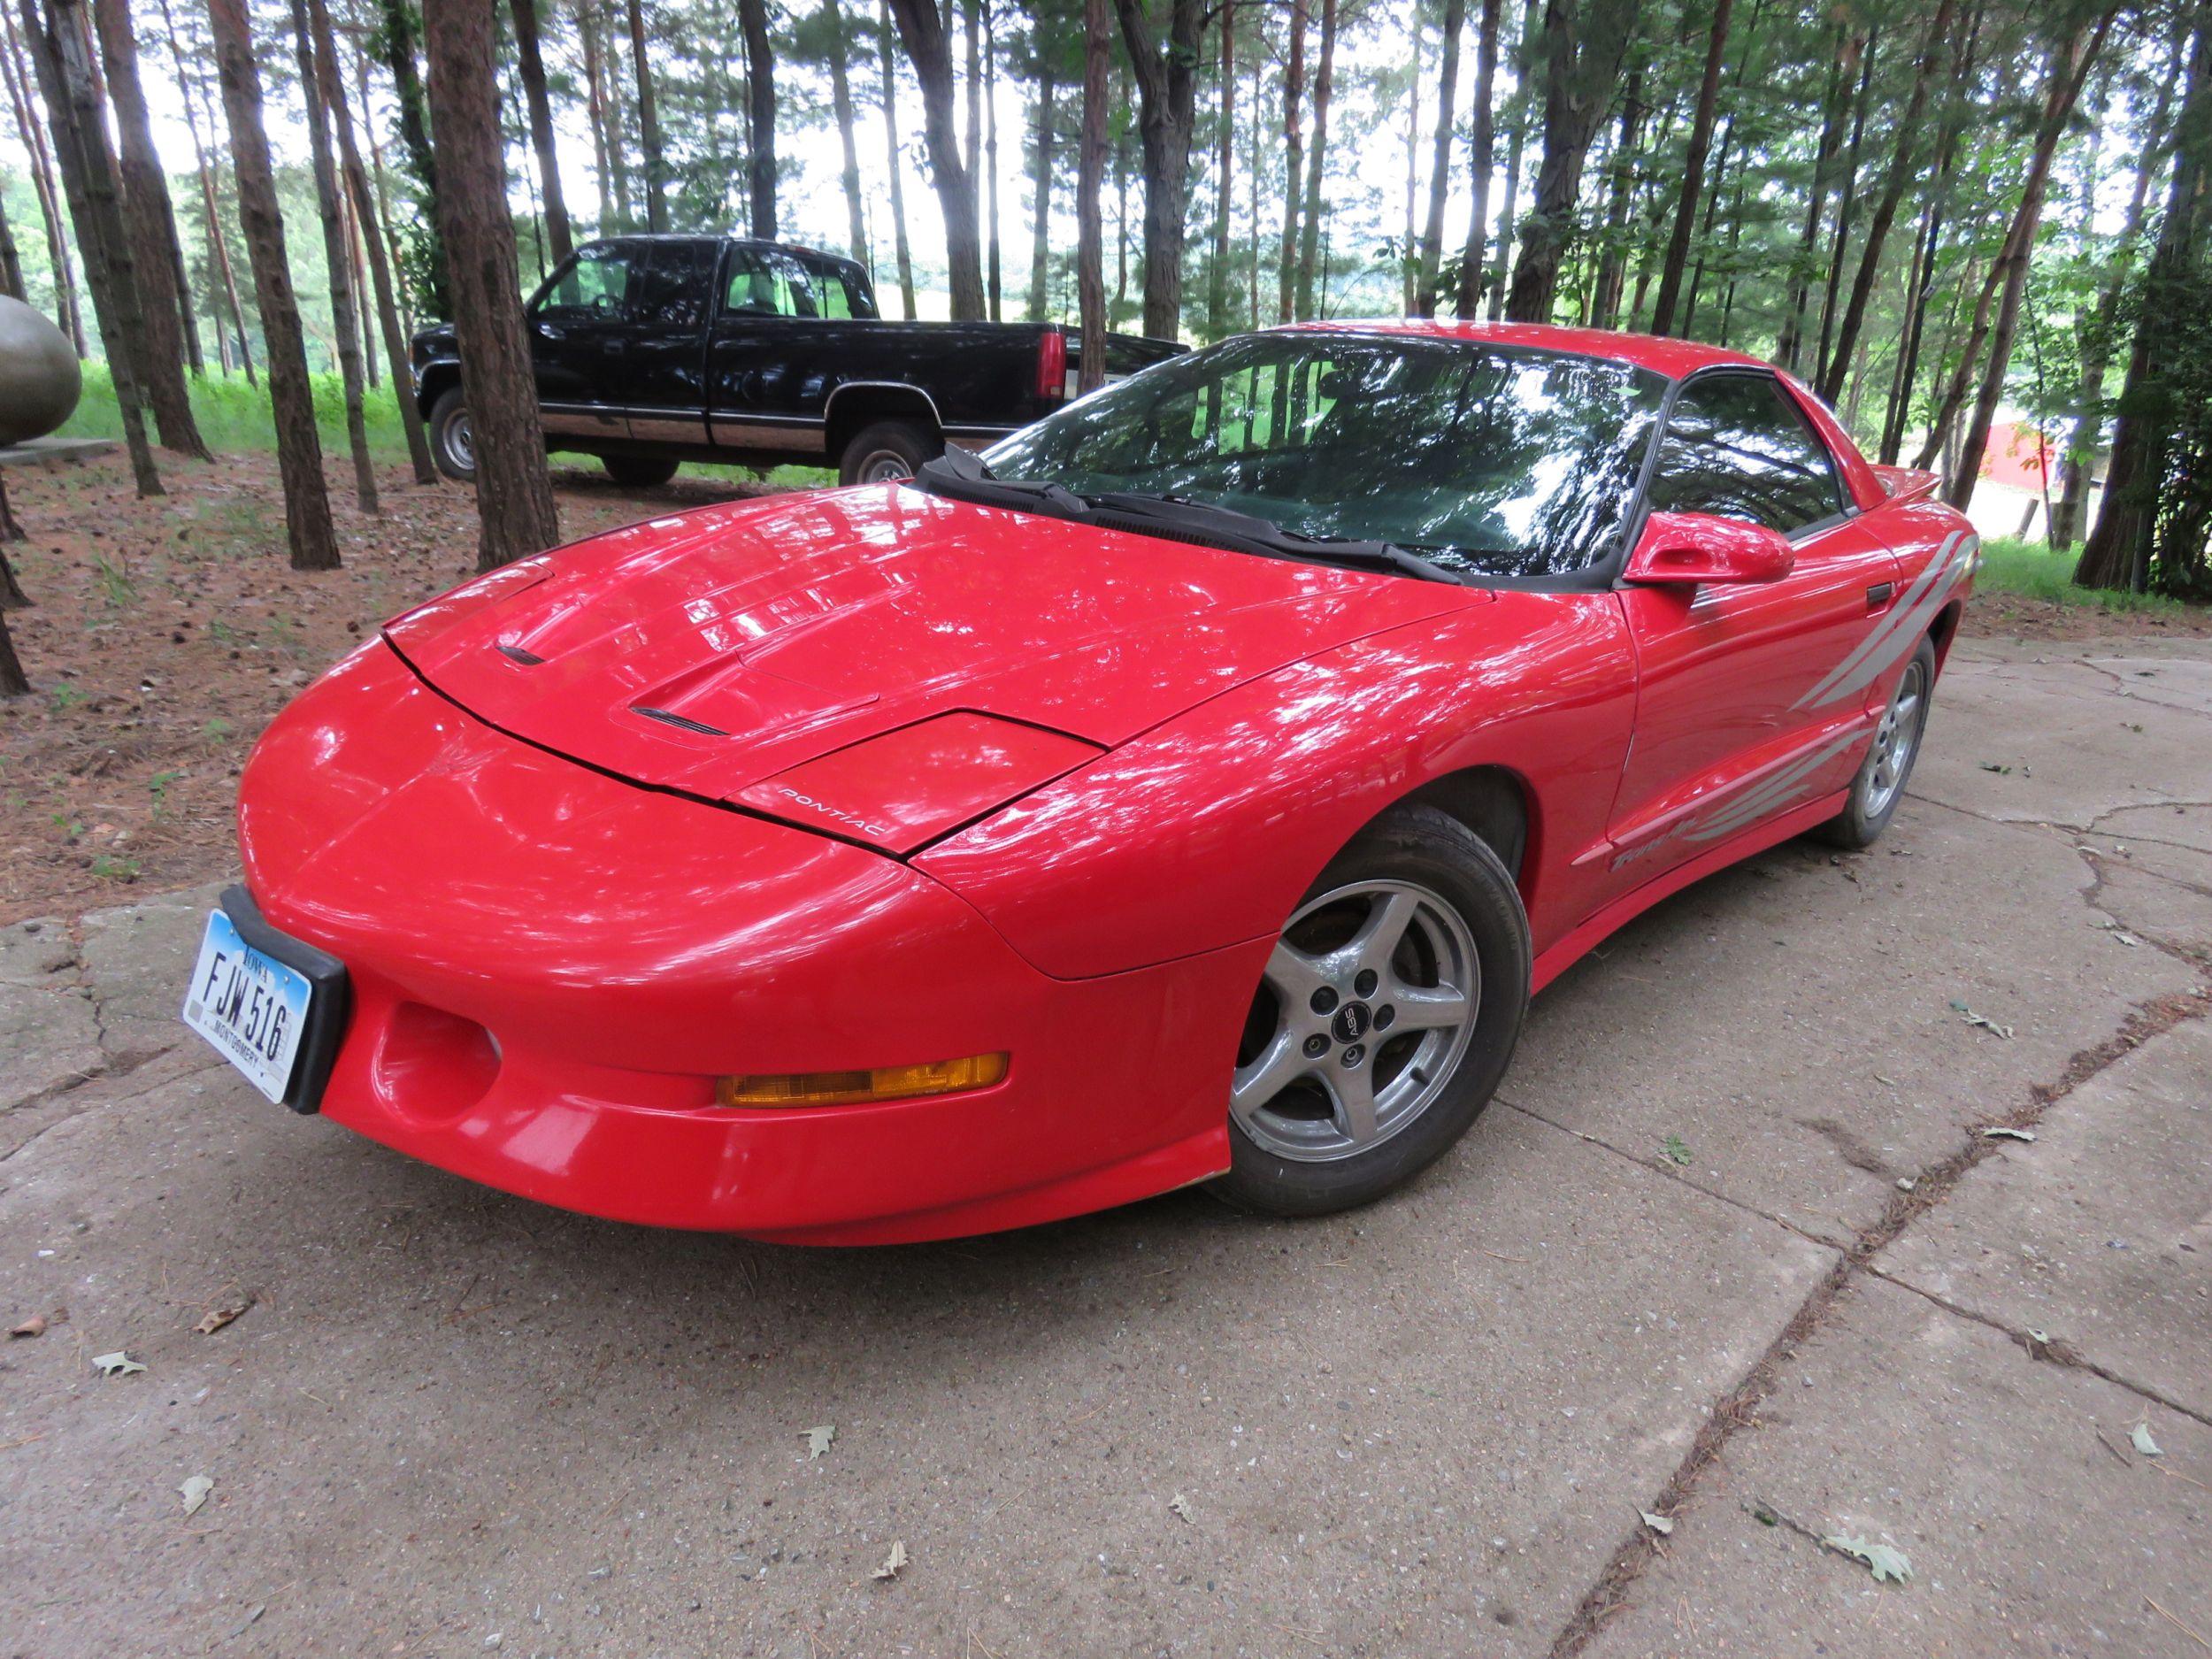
x=637, y=471
x=1880, y=783
x=452, y=441
x=1384, y=1021
x=886, y=451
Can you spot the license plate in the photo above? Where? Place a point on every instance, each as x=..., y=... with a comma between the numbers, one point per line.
x=251, y=1007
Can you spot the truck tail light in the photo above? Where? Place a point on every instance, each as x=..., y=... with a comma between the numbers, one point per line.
x=1052, y=364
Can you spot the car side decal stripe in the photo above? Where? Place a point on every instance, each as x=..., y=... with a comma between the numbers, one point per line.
x=1782, y=789
x=1873, y=647
x=1911, y=625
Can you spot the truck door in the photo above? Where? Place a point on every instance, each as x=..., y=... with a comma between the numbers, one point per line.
x=767, y=362
x=580, y=334
x=663, y=374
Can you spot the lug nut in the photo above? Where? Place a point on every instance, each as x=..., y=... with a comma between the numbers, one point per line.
x=1317, y=1046
x=1354, y=1055
x=1325, y=1001
x=1366, y=984
x=1385, y=1017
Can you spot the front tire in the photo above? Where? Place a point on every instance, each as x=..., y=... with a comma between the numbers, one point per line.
x=1880, y=783
x=452, y=441
x=1384, y=1021
x=886, y=451
x=638, y=471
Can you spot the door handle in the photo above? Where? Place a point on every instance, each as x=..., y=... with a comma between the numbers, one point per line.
x=1878, y=594
x=546, y=331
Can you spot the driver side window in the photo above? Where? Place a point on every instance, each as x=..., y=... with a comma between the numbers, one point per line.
x=596, y=285
x=1736, y=447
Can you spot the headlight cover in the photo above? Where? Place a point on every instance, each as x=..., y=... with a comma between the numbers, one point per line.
x=902, y=789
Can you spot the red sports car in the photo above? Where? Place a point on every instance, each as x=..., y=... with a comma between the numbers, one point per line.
x=1195, y=788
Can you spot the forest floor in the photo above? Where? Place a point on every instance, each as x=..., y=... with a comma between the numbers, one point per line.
x=166, y=633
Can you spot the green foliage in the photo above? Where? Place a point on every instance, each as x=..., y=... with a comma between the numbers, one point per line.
x=235, y=416
x=2032, y=570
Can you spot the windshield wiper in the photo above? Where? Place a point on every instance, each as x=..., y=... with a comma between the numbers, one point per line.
x=961, y=474
x=1264, y=535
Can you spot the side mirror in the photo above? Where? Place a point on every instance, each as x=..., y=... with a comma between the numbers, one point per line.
x=1695, y=547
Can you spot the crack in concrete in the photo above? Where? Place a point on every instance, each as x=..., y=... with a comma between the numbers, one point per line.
x=93, y=1105
x=1739, y=1405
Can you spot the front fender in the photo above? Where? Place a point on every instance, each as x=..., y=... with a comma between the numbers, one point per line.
x=1206, y=831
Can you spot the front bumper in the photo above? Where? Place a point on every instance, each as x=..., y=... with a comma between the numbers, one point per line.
x=550, y=967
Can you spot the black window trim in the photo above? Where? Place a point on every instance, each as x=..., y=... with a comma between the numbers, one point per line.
x=640, y=253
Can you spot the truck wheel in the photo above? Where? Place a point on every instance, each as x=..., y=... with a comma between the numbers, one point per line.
x=889, y=449
x=637, y=471
x=452, y=443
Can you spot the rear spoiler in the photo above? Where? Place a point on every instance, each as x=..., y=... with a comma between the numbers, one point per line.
x=1902, y=483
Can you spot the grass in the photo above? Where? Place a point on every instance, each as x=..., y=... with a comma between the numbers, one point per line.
x=235, y=418
x=2032, y=570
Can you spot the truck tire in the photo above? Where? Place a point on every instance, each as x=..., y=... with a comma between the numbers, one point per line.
x=637, y=471
x=887, y=449
x=452, y=444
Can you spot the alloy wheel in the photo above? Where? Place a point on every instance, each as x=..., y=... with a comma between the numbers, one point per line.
x=1365, y=1008
x=1895, y=739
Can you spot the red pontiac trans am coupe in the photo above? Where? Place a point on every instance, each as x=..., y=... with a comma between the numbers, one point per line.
x=1195, y=788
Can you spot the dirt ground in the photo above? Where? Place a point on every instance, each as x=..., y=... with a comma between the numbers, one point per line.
x=166, y=634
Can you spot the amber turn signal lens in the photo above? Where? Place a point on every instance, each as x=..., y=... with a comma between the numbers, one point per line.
x=853, y=1088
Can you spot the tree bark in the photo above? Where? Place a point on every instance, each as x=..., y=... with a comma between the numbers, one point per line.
x=1834, y=107
x=2121, y=550
x=2069, y=71
x=218, y=244
x=514, y=493
x=1612, y=271
x=1480, y=160
x=1583, y=50
x=337, y=256
x=1441, y=164
x=60, y=48
x=1090, y=273
x=1293, y=152
x=608, y=165
x=67, y=316
x=144, y=193
x=13, y=681
x=1701, y=143
x=380, y=267
x=11, y=261
x=929, y=48
x=1409, y=249
x=1224, y=177
x=1316, y=159
x=1041, y=191
x=994, y=251
x=1167, y=93
x=1847, y=198
x=648, y=125
x=398, y=34
x=760, y=114
x=842, y=108
x=314, y=544
x=886, y=75
x=1932, y=48
x=559, y=243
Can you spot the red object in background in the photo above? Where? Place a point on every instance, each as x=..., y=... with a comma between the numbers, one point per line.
x=869, y=779
x=2018, y=456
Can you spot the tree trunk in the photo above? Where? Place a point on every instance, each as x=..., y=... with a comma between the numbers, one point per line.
x=399, y=34
x=2121, y=549
x=559, y=243
x=1834, y=107
x=514, y=493
x=2070, y=71
x=314, y=545
x=1928, y=242
x=1225, y=179
x=1923, y=74
x=1041, y=191
x=760, y=115
x=1847, y=198
x=43, y=184
x=996, y=275
x=888, y=73
x=929, y=48
x=11, y=261
x=60, y=49
x=1701, y=143
x=145, y=213
x=1409, y=249
x=1317, y=160
x=842, y=107
x=649, y=126
x=11, y=595
x=1481, y=158
x=212, y=224
x=345, y=316
x=1441, y=164
x=13, y=681
x=1583, y=50
x=1167, y=94
x=1293, y=152
x=1612, y=272
x=1090, y=240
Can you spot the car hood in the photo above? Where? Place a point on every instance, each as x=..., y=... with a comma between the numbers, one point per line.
x=712, y=650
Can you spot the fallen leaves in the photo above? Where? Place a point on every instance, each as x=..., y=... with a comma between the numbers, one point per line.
x=1674, y=1151
x=819, y=1439
x=1885, y=1561
x=215, y=1318
x=1180, y=1507
x=892, y=1563
x=35, y=1325
x=196, y=1490
x=1983, y=1021
x=2006, y=1131
x=2139, y=1437
x=115, y=1364
x=1660, y=1523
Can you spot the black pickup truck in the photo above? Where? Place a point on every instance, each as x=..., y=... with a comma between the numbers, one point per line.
x=654, y=351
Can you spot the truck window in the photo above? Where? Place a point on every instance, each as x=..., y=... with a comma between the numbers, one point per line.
x=596, y=283
x=671, y=287
x=762, y=284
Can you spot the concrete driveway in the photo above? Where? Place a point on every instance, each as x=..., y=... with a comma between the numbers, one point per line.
x=1731, y=1248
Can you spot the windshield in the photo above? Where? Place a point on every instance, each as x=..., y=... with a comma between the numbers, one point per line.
x=1486, y=460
